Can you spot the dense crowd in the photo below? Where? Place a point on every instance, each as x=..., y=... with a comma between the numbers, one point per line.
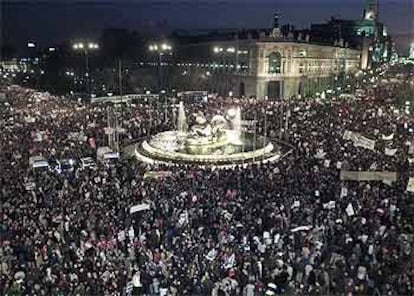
x=291, y=227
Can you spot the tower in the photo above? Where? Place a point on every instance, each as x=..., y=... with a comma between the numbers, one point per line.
x=371, y=10
x=411, y=52
x=276, y=29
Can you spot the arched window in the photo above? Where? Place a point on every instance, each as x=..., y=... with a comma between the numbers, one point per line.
x=275, y=62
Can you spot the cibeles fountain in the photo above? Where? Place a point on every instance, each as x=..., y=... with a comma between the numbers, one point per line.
x=220, y=141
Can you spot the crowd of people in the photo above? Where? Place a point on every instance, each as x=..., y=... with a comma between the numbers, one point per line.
x=293, y=227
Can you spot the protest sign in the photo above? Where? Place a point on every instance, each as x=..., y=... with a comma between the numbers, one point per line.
x=390, y=152
x=350, y=210
x=139, y=208
x=388, y=138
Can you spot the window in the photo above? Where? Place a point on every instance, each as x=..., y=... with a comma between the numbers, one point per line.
x=274, y=63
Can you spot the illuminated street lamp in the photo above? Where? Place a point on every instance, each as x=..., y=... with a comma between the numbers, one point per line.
x=162, y=49
x=85, y=48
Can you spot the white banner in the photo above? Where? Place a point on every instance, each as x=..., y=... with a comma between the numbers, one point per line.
x=368, y=176
x=302, y=228
x=388, y=138
x=361, y=141
x=139, y=208
x=390, y=152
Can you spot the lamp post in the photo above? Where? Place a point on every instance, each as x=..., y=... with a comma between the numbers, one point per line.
x=161, y=49
x=85, y=48
x=224, y=53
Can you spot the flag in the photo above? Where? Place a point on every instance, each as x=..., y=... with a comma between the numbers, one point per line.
x=329, y=205
x=92, y=143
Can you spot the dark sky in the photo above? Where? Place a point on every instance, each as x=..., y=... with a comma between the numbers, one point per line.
x=52, y=21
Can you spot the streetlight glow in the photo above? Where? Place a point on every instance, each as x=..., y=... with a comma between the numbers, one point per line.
x=31, y=44
x=92, y=45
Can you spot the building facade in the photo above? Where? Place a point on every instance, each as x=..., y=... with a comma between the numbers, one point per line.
x=264, y=67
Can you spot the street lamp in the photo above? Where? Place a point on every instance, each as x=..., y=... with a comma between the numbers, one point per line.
x=85, y=48
x=161, y=49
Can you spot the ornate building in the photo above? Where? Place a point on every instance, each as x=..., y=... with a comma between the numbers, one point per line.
x=264, y=67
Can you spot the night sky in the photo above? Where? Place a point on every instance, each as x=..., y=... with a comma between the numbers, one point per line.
x=48, y=22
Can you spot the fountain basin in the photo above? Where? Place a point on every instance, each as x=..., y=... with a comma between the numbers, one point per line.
x=165, y=148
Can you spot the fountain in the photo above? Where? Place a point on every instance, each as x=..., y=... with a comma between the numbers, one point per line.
x=219, y=141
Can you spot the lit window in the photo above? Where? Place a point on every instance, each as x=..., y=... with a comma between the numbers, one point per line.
x=274, y=63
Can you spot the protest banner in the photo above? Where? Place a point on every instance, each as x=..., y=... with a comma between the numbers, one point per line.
x=302, y=228
x=368, y=176
x=139, y=208
x=361, y=141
